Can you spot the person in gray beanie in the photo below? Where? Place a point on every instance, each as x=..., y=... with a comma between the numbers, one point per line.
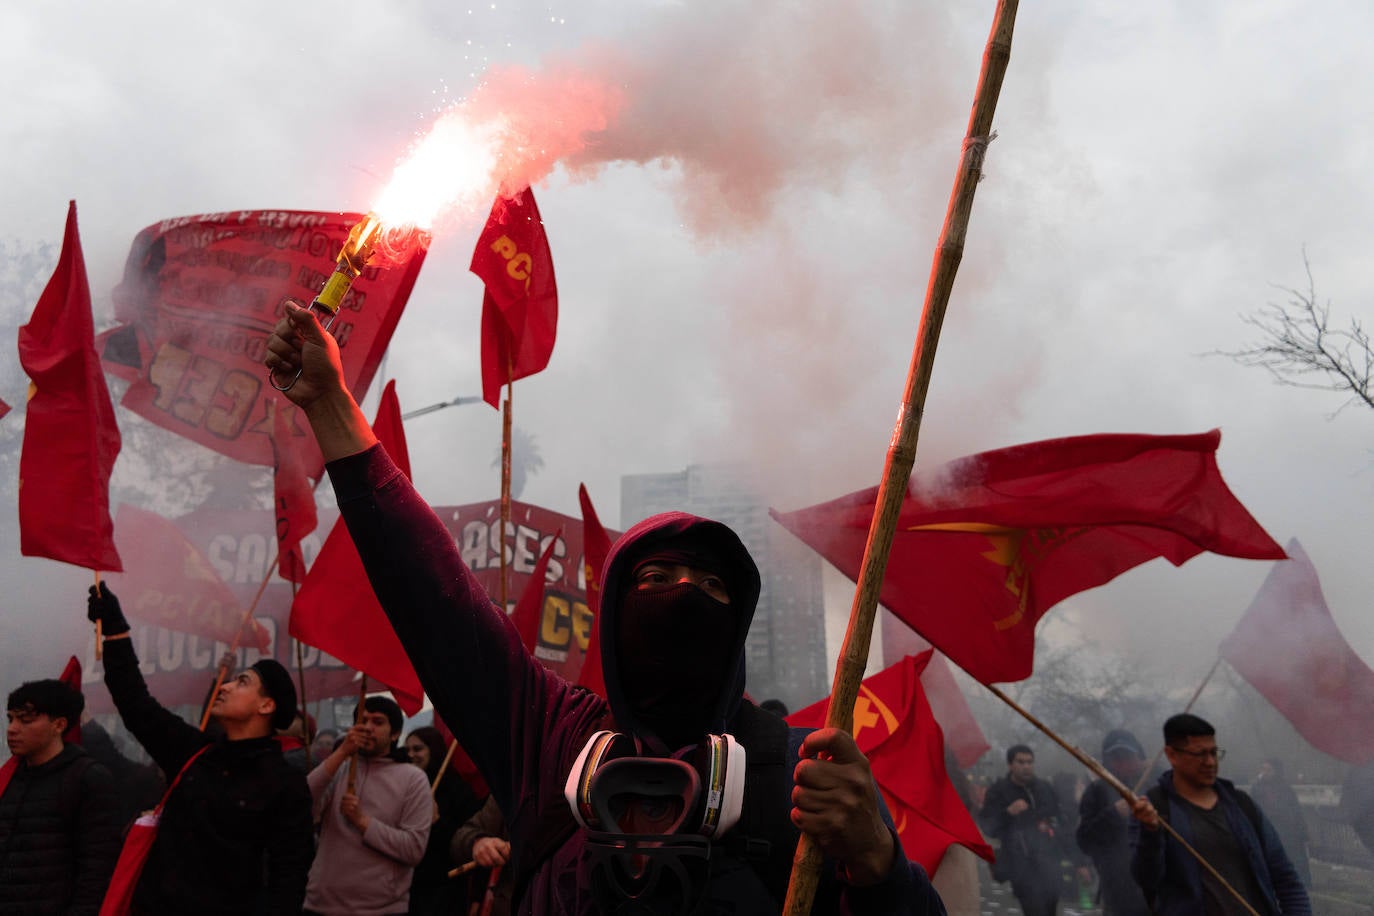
x=235, y=834
x=1103, y=822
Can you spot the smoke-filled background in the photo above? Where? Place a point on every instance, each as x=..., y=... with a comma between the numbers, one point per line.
x=743, y=243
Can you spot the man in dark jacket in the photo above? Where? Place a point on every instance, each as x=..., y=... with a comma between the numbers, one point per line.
x=235, y=835
x=678, y=594
x=59, y=828
x=1021, y=811
x=1104, y=820
x=1221, y=823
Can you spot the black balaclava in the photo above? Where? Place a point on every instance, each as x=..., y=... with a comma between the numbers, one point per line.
x=677, y=672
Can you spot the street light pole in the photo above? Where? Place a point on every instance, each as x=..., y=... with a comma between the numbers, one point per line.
x=419, y=412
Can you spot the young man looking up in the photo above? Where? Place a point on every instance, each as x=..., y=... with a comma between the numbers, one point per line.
x=59, y=829
x=235, y=834
x=1219, y=821
x=372, y=837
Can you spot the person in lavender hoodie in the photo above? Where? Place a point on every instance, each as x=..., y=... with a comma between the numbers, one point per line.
x=373, y=834
x=678, y=593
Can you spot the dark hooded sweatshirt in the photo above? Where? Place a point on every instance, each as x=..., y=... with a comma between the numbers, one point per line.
x=523, y=725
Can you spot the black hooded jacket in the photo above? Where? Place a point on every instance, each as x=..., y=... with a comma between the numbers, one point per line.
x=236, y=832
x=59, y=836
x=523, y=725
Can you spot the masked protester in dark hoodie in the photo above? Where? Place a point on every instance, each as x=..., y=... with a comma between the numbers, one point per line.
x=583, y=781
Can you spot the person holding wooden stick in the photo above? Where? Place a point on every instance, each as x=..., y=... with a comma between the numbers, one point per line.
x=235, y=834
x=672, y=792
x=373, y=830
x=1104, y=822
x=1222, y=823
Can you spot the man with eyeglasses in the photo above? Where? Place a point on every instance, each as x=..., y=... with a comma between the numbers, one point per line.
x=1219, y=821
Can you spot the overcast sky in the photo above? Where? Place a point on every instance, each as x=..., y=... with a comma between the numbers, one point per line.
x=742, y=254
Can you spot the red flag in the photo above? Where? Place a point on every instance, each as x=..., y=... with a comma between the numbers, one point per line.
x=293, y=493
x=336, y=609
x=520, y=306
x=1289, y=648
x=71, y=676
x=894, y=728
x=171, y=584
x=4, y=408
x=529, y=610
x=200, y=296
x=596, y=544
x=987, y=544
x=963, y=735
x=70, y=436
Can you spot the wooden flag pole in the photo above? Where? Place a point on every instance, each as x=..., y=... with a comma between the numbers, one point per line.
x=99, y=634
x=238, y=636
x=357, y=720
x=505, y=479
x=901, y=454
x=1131, y=798
x=1145, y=773
x=439, y=776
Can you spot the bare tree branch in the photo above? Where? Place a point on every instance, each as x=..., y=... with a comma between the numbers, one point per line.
x=1299, y=347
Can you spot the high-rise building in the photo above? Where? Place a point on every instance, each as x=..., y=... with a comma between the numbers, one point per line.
x=785, y=650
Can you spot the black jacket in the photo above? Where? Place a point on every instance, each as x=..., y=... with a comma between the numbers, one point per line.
x=59, y=836
x=235, y=834
x=1104, y=834
x=1025, y=848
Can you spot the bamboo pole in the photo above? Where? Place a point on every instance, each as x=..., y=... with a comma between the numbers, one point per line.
x=462, y=869
x=238, y=636
x=1145, y=773
x=1131, y=798
x=901, y=454
x=443, y=768
x=357, y=720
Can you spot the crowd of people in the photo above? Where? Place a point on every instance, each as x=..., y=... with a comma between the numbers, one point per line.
x=1140, y=866
x=673, y=794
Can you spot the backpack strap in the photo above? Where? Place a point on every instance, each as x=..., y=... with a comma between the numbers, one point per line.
x=765, y=838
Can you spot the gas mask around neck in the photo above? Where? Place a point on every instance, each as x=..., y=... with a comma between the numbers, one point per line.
x=650, y=821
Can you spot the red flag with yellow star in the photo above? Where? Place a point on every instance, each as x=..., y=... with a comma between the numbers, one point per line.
x=896, y=731
x=1289, y=648
x=986, y=544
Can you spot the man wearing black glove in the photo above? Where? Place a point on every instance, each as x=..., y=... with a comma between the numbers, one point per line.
x=235, y=834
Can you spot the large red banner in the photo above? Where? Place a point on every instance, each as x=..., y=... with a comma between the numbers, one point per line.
x=199, y=297
x=240, y=546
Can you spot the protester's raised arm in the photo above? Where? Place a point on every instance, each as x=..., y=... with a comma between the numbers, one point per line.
x=300, y=344
x=168, y=739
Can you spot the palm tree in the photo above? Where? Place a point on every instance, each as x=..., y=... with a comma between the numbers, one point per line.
x=524, y=460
